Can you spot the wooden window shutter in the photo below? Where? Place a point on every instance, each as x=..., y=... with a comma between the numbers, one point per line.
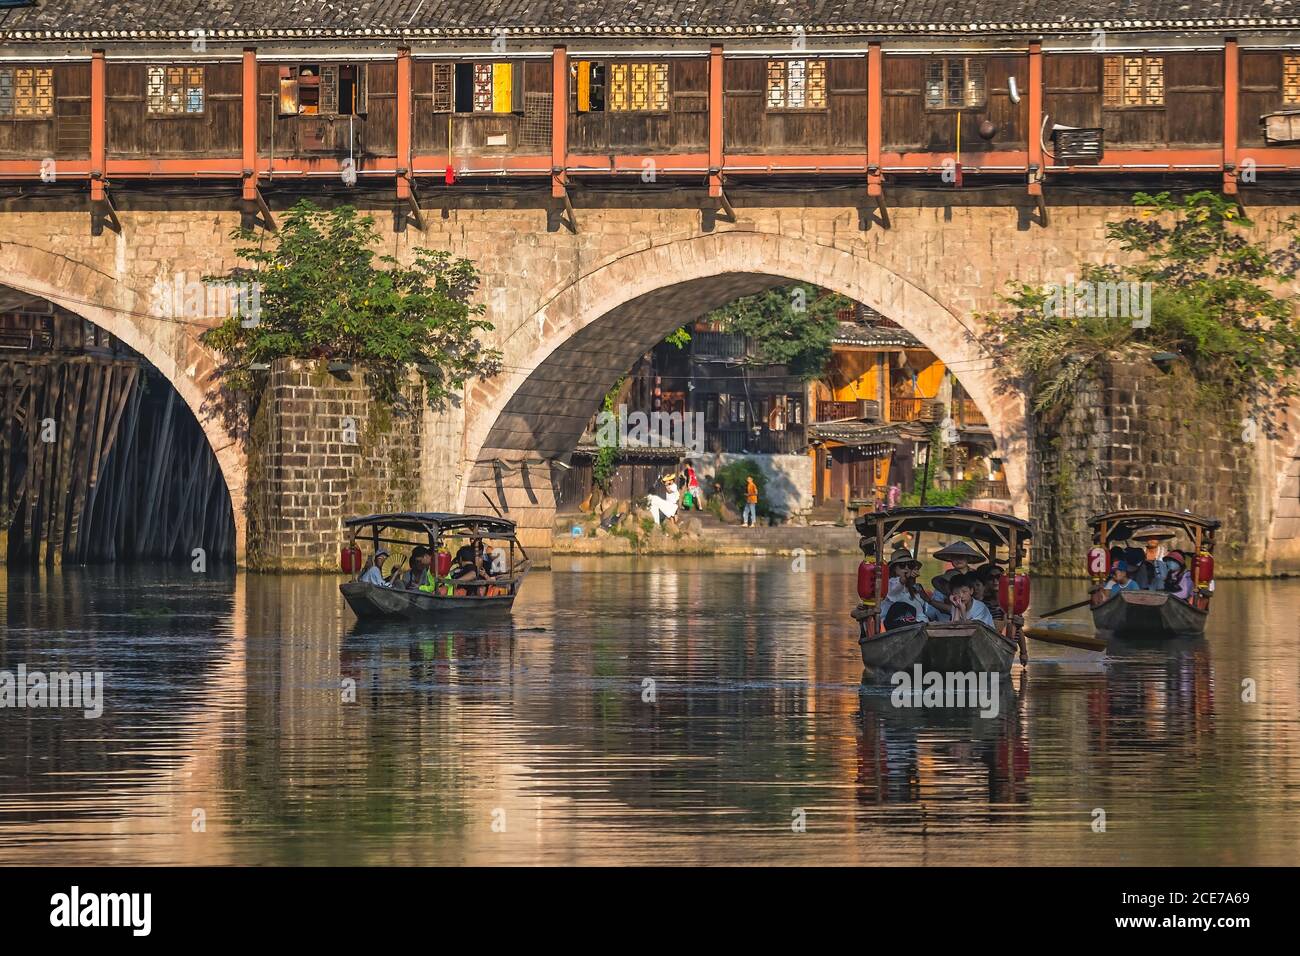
x=444, y=86
x=329, y=90
x=288, y=91
x=1112, y=82
x=1291, y=80
x=584, y=86
x=363, y=89
x=503, y=76
x=975, y=86
x=517, y=88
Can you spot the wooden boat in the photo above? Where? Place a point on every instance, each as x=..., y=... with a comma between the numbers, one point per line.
x=937, y=646
x=451, y=599
x=1151, y=614
x=1146, y=614
x=966, y=646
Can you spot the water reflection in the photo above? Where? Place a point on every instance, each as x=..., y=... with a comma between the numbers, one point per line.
x=683, y=711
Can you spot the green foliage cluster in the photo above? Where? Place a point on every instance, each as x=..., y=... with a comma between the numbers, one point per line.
x=791, y=325
x=1220, y=300
x=326, y=293
x=602, y=469
x=731, y=477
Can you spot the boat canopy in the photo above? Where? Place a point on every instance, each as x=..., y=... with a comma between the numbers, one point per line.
x=984, y=526
x=1122, y=525
x=437, y=524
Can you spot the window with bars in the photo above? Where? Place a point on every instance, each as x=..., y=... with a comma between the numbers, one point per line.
x=1133, y=81
x=954, y=82
x=1291, y=79
x=796, y=84
x=639, y=87
x=174, y=90
x=27, y=91
x=477, y=88
x=323, y=90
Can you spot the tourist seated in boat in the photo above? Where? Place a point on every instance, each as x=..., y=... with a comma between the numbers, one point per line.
x=373, y=573
x=1119, y=578
x=468, y=572
x=960, y=555
x=1150, y=573
x=939, y=587
x=417, y=573
x=965, y=606
x=988, y=575
x=900, y=614
x=904, y=588
x=1177, y=581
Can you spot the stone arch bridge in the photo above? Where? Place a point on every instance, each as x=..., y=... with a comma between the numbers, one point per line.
x=573, y=310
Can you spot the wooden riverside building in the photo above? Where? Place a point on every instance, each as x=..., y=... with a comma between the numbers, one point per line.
x=99, y=97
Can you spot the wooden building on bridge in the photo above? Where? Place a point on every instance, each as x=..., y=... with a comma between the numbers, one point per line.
x=422, y=99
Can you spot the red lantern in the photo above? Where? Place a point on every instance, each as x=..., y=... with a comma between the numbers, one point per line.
x=1021, y=593
x=868, y=580
x=1097, y=562
x=350, y=559
x=1204, y=568
x=444, y=564
x=449, y=176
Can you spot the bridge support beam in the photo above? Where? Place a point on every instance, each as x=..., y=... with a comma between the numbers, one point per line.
x=875, y=129
x=1231, y=96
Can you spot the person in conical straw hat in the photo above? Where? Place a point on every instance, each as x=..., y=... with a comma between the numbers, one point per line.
x=960, y=555
x=1153, y=573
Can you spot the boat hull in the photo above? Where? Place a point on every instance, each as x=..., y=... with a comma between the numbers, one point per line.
x=947, y=647
x=369, y=602
x=1148, y=614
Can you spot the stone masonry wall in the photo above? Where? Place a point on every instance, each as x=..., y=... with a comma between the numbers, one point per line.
x=323, y=449
x=1136, y=437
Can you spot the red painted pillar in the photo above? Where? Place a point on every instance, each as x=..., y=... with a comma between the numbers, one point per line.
x=875, y=117
x=1231, y=104
x=1035, y=121
x=404, y=107
x=715, y=120
x=98, y=129
x=248, y=101
x=559, y=119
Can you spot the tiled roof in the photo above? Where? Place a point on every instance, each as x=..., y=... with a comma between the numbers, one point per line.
x=865, y=433
x=877, y=336
x=235, y=19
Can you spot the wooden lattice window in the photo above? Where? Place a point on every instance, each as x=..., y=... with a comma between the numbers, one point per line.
x=1133, y=81
x=27, y=91
x=1291, y=79
x=174, y=90
x=796, y=84
x=638, y=87
x=444, y=87
x=954, y=82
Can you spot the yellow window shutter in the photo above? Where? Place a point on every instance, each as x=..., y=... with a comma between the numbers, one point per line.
x=584, y=86
x=502, y=87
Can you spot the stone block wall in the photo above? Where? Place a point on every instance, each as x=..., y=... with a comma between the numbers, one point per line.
x=321, y=449
x=1137, y=437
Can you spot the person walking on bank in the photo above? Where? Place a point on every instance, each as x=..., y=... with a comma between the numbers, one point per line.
x=750, y=514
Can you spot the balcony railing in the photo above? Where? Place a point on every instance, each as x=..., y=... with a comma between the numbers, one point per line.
x=967, y=413
x=906, y=409
x=790, y=441
x=833, y=411
x=720, y=346
x=980, y=488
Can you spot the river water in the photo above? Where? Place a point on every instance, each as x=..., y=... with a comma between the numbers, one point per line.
x=654, y=710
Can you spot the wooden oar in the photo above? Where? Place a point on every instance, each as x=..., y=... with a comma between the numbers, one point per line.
x=1070, y=607
x=1050, y=635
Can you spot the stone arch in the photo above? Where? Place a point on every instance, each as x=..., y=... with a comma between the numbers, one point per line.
x=592, y=328
x=170, y=345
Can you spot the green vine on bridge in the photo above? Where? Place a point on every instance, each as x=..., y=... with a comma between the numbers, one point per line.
x=323, y=292
x=1199, y=287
